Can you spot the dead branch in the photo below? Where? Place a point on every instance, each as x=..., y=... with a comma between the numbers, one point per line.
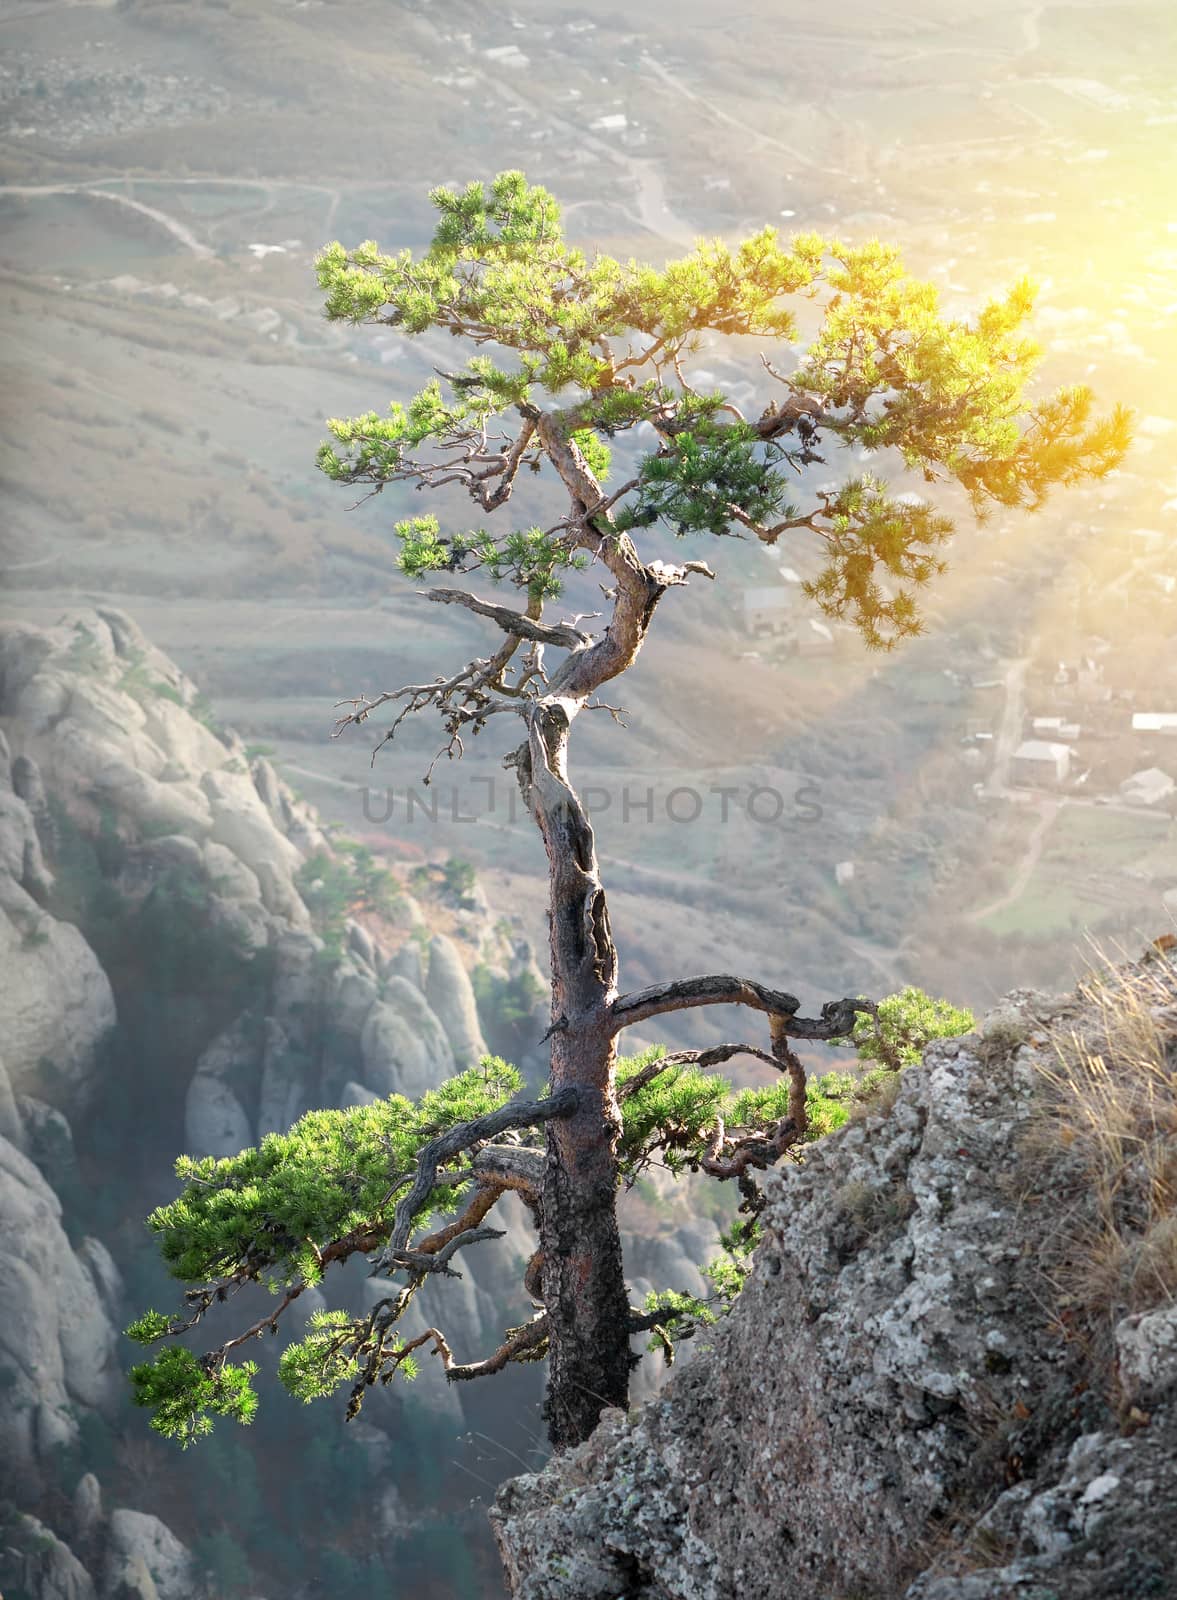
x=419, y=1261
x=515, y=623
x=521, y=1344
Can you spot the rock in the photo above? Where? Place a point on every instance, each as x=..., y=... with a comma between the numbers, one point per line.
x=38, y=1564
x=56, y=1004
x=42, y=702
x=228, y=876
x=29, y=787
x=284, y=1089
x=405, y=913
x=242, y=824
x=215, y=1123
x=87, y=1509
x=108, y=719
x=373, y=1442
x=407, y=964
x=49, y=1140
x=1146, y=1353
x=143, y=803
x=392, y=1513
x=108, y=1280
x=56, y=1340
x=24, y=650
x=174, y=851
x=10, y=1123
x=272, y=793
x=20, y=847
x=356, y=1094
x=279, y=894
x=182, y=739
x=451, y=997
x=244, y=923
x=145, y=1560
x=403, y=1045
x=351, y=998
x=894, y=1350
x=360, y=943
x=662, y=1259
x=1101, y=1532
x=232, y=1049
x=297, y=977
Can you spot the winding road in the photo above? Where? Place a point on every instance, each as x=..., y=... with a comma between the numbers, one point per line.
x=179, y=230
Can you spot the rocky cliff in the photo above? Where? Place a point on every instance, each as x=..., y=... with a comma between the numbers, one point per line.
x=953, y=1374
x=189, y=961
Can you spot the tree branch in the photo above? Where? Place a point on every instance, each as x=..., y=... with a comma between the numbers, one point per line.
x=510, y=1166
x=521, y=1344
x=637, y=590
x=757, y=1150
x=721, y=989
x=519, y=1114
x=418, y=1261
x=561, y=634
x=484, y=1201
x=712, y=1057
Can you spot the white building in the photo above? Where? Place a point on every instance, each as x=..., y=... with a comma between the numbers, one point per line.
x=1148, y=788
x=1039, y=763
x=1155, y=722
x=1057, y=729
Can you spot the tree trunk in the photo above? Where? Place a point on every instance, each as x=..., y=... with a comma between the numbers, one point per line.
x=583, y=1274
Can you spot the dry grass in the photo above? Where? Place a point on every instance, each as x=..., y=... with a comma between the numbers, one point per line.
x=880, y=1102
x=1110, y=1109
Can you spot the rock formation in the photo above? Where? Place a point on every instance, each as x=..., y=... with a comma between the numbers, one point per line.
x=953, y=1372
x=139, y=843
x=56, y=1337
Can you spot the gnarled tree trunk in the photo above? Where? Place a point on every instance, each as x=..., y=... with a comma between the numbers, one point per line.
x=583, y=1273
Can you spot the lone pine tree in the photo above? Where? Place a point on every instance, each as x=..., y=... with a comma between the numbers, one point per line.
x=569, y=354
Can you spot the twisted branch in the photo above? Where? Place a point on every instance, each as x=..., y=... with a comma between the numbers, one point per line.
x=721, y=989
x=463, y=1136
x=561, y=634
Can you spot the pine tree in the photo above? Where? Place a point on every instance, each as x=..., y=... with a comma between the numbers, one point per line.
x=569, y=353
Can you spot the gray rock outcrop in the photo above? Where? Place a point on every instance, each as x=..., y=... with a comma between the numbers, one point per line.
x=898, y=1361
x=46, y=1567
x=56, y=1004
x=451, y=996
x=56, y=1337
x=404, y=1046
x=146, y=1561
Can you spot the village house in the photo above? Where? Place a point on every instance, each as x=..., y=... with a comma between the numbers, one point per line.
x=1055, y=728
x=1151, y=787
x=1040, y=764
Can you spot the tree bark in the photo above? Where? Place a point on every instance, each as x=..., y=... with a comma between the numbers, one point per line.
x=584, y=1291
x=583, y=1274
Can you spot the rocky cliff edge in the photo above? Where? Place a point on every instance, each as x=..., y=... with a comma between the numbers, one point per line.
x=953, y=1373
